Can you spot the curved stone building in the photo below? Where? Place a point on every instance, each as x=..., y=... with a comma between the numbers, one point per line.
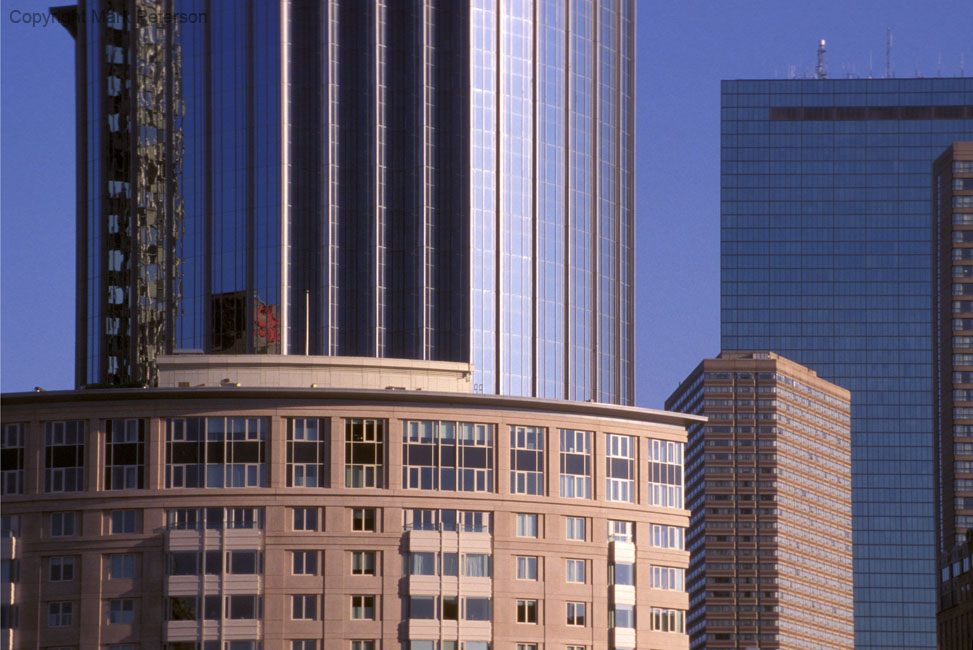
x=217, y=513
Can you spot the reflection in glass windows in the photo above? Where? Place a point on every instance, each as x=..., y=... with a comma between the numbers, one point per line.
x=575, y=464
x=620, y=468
x=364, y=453
x=665, y=473
x=307, y=452
x=527, y=460
x=447, y=456
x=124, y=454
x=64, y=456
x=216, y=452
x=12, y=459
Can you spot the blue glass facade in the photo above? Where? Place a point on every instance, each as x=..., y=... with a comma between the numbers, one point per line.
x=826, y=258
x=429, y=180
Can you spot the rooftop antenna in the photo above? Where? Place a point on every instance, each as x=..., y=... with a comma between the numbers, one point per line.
x=962, y=64
x=821, y=73
x=888, y=52
x=939, y=65
x=869, y=64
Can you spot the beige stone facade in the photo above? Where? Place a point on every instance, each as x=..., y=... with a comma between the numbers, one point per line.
x=769, y=485
x=239, y=518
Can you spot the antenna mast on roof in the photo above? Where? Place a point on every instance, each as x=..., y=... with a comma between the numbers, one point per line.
x=888, y=52
x=821, y=72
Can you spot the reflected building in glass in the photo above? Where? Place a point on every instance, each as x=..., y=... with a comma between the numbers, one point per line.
x=826, y=259
x=426, y=180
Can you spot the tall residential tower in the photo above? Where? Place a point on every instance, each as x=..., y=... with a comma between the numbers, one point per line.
x=421, y=179
x=826, y=260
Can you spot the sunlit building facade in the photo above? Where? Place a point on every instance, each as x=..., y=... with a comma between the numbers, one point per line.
x=952, y=223
x=826, y=259
x=426, y=180
x=339, y=504
x=769, y=487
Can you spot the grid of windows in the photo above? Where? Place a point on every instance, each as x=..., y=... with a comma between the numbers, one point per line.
x=665, y=473
x=307, y=452
x=12, y=459
x=620, y=467
x=364, y=453
x=124, y=454
x=447, y=456
x=575, y=464
x=468, y=521
x=64, y=456
x=216, y=452
x=527, y=460
x=214, y=518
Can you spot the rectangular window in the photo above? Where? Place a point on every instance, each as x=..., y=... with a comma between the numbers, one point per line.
x=63, y=524
x=360, y=644
x=307, y=452
x=575, y=464
x=12, y=459
x=363, y=607
x=124, y=454
x=304, y=607
x=304, y=644
x=183, y=608
x=364, y=453
x=9, y=570
x=121, y=565
x=574, y=528
x=240, y=518
x=668, y=620
x=9, y=526
x=304, y=563
x=184, y=563
x=244, y=562
x=576, y=613
x=60, y=614
x=527, y=568
x=422, y=607
x=121, y=611
x=123, y=521
x=621, y=531
x=575, y=571
x=526, y=611
x=9, y=617
x=244, y=607
x=447, y=456
x=622, y=616
x=668, y=578
x=64, y=456
x=476, y=609
x=363, y=520
x=450, y=608
x=526, y=646
x=476, y=565
x=620, y=468
x=526, y=525
x=421, y=564
x=621, y=573
x=672, y=537
x=61, y=569
x=665, y=474
x=363, y=563
x=527, y=460
x=216, y=452
x=305, y=519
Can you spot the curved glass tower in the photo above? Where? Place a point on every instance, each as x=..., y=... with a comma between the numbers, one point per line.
x=422, y=179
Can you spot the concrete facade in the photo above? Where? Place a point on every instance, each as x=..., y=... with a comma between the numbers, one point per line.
x=769, y=486
x=445, y=550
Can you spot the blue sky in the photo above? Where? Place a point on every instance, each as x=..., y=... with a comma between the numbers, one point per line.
x=685, y=47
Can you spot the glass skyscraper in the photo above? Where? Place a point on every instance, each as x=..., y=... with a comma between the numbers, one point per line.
x=423, y=179
x=826, y=258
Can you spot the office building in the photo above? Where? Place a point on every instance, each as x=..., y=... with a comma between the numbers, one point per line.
x=952, y=224
x=825, y=260
x=426, y=180
x=769, y=487
x=384, y=507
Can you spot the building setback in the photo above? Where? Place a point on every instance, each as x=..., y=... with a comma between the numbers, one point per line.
x=825, y=260
x=952, y=209
x=769, y=487
x=361, y=504
x=427, y=180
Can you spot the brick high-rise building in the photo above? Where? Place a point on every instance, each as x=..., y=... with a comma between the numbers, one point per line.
x=952, y=209
x=769, y=486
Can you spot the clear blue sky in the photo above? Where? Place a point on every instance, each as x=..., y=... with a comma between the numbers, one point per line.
x=685, y=48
